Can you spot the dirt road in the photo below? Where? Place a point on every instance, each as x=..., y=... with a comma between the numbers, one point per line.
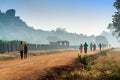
x=30, y=68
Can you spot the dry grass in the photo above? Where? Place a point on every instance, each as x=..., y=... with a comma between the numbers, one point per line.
x=103, y=68
x=15, y=55
x=9, y=56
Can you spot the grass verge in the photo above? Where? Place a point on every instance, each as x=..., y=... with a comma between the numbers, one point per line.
x=104, y=67
x=100, y=66
x=15, y=55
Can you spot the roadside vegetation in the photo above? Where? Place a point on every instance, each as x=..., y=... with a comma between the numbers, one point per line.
x=8, y=56
x=12, y=41
x=105, y=67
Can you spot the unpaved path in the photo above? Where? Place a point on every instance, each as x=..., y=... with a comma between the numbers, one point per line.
x=30, y=68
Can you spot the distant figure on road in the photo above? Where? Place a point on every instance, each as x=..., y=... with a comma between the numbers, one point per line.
x=21, y=48
x=91, y=46
x=25, y=51
x=85, y=47
x=100, y=46
x=80, y=48
x=94, y=47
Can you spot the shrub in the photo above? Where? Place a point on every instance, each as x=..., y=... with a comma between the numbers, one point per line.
x=84, y=60
x=103, y=53
x=79, y=57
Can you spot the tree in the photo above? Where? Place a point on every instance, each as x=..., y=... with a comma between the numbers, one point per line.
x=53, y=39
x=115, y=25
x=60, y=30
x=101, y=39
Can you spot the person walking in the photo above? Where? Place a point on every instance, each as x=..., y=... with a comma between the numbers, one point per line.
x=81, y=48
x=94, y=47
x=21, y=48
x=100, y=46
x=25, y=51
x=85, y=47
x=91, y=46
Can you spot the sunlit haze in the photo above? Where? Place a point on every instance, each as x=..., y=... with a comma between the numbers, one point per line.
x=89, y=17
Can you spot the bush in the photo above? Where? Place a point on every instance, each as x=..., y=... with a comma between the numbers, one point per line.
x=103, y=53
x=79, y=57
x=71, y=76
x=84, y=60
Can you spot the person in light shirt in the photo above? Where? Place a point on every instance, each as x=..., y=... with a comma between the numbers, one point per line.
x=21, y=49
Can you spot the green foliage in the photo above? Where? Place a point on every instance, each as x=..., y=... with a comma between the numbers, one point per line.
x=71, y=76
x=103, y=53
x=14, y=41
x=2, y=41
x=83, y=59
x=79, y=57
x=114, y=76
x=115, y=25
x=102, y=68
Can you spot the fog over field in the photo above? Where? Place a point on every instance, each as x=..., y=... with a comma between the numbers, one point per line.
x=112, y=39
x=50, y=21
x=14, y=28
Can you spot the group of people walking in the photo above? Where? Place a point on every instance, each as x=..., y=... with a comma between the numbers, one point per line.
x=85, y=47
x=23, y=50
x=92, y=47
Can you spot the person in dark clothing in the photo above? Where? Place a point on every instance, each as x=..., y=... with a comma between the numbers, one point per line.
x=21, y=48
x=91, y=46
x=100, y=46
x=85, y=47
x=80, y=48
x=94, y=47
x=25, y=51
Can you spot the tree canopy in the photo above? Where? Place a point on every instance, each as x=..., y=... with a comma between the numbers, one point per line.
x=115, y=25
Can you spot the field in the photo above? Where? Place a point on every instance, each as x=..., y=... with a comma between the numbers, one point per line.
x=62, y=65
x=105, y=67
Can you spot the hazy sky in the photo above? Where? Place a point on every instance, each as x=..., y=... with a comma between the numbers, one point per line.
x=77, y=16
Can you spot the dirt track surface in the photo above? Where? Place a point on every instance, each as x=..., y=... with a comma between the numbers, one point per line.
x=30, y=68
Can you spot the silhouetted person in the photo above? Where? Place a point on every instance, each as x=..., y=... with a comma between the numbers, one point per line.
x=100, y=46
x=91, y=46
x=80, y=48
x=25, y=51
x=85, y=47
x=94, y=47
x=21, y=49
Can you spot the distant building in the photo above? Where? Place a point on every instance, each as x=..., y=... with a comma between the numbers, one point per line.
x=60, y=43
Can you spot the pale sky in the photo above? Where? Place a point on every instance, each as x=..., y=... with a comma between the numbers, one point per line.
x=89, y=17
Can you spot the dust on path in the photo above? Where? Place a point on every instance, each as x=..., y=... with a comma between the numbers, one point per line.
x=32, y=66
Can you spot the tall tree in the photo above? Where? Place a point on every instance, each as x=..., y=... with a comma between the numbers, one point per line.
x=115, y=25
